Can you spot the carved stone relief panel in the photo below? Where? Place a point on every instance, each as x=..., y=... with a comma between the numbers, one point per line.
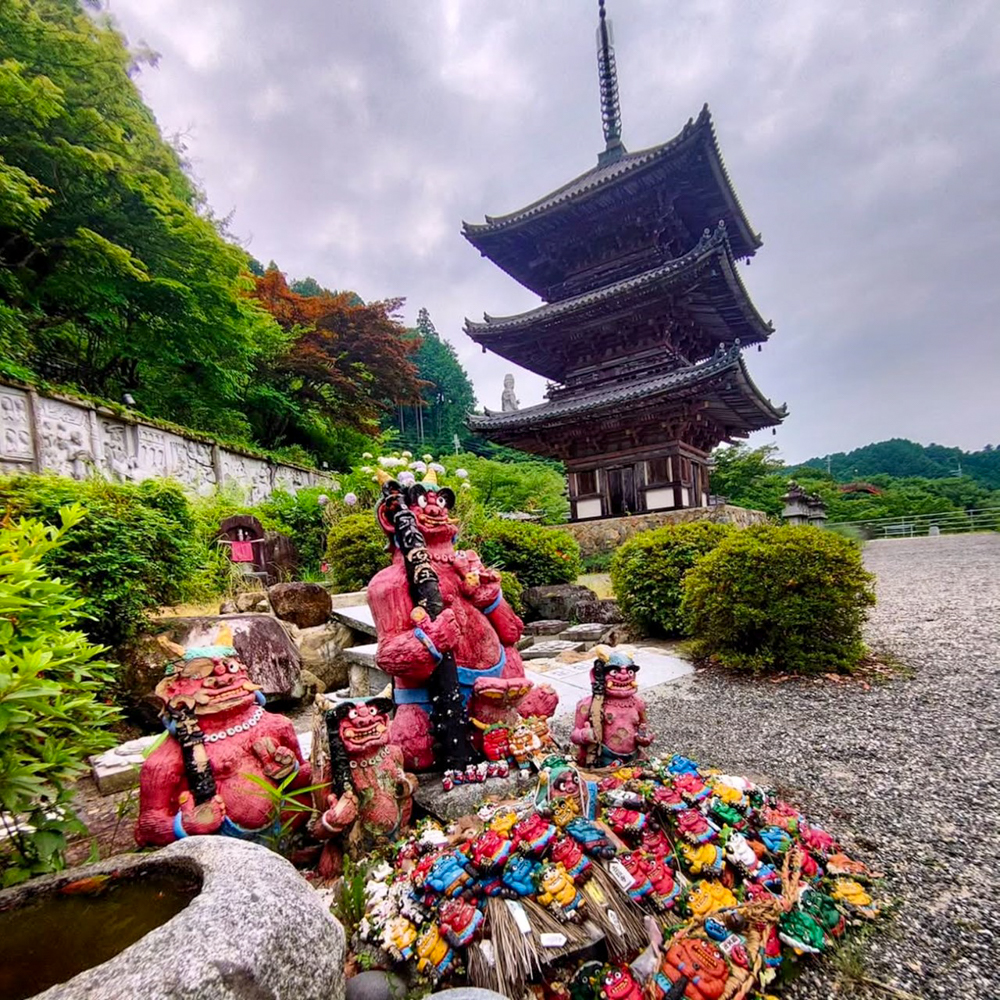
x=152, y=457
x=250, y=474
x=119, y=462
x=16, y=454
x=65, y=439
x=290, y=479
x=191, y=463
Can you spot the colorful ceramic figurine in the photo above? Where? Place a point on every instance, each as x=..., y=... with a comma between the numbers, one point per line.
x=196, y=781
x=460, y=922
x=557, y=891
x=436, y=957
x=698, y=965
x=435, y=608
x=370, y=794
x=610, y=725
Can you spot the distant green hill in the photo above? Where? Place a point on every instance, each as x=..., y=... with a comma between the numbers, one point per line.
x=901, y=458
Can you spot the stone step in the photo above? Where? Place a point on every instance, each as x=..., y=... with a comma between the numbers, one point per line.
x=357, y=617
x=551, y=647
x=465, y=799
x=548, y=626
x=589, y=632
x=363, y=656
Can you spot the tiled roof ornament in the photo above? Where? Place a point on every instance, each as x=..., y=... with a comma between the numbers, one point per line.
x=611, y=112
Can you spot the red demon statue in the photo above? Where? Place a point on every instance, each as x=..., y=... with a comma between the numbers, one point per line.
x=196, y=781
x=610, y=725
x=371, y=796
x=446, y=635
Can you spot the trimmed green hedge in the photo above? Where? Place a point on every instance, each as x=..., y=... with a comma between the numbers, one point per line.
x=647, y=572
x=356, y=551
x=780, y=599
x=538, y=555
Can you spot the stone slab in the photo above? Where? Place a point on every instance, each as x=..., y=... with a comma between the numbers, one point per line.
x=349, y=599
x=465, y=799
x=363, y=656
x=586, y=632
x=550, y=648
x=357, y=617
x=547, y=626
x=366, y=681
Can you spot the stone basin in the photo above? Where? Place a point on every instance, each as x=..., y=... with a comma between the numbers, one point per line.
x=205, y=917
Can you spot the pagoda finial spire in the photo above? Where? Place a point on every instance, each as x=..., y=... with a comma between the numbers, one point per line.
x=611, y=112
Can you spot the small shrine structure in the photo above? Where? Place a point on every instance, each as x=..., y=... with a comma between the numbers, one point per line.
x=643, y=323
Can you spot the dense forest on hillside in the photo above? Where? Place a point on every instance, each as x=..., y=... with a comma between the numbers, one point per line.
x=117, y=280
x=901, y=458
x=756, y=478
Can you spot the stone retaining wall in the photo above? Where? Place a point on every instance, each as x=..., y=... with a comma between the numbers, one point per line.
x=606, y=534
x=71, y=437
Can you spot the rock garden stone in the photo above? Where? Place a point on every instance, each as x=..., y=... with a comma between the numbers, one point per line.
x=242, y=936
x=588, y=632
x=271, y=657
x=465, y=800
x=304, y=604
x=248, y=601
x=322, y=650
x=558, y=600
x=376, y=985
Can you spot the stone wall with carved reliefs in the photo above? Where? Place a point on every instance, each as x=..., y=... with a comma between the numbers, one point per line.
x=74, y=438
x=17, y=452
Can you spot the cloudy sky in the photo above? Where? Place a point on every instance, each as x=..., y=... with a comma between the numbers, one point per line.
x=351, y=138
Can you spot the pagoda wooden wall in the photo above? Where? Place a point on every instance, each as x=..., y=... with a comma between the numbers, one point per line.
x=669, y=477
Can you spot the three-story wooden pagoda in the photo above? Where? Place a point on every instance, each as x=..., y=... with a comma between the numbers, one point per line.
x=643, y=322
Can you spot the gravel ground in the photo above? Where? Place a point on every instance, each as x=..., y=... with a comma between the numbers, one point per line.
x=905, y=773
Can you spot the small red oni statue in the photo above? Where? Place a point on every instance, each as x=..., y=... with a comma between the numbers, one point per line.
x=371, y=796
x=610, y=725
x=446, y=635
x=196, y=781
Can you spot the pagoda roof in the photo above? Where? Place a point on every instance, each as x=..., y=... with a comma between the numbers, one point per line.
x=722, y=382
x=613, y=181
x=524, y=337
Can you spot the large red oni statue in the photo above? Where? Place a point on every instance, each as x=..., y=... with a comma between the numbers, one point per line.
x=195, y=782
x=610, y=725
x=446, y=635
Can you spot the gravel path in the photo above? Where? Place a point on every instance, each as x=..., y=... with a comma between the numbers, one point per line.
x=906, y=773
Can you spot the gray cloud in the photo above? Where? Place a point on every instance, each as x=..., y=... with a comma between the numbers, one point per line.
x=351, y=139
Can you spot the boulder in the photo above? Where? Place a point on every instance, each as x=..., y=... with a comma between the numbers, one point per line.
x=245, y=602
x=303, y=604
x=321, y=649
x=605, y=611
x=270, y=656
x=376, y=985
x=466, y=799
x=242, y=936
x=556, y=601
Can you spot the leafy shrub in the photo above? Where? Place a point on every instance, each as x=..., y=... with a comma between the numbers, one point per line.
x=538, y=555
x=300, y=516
x=780, y=599
x=647, y=572
x=356, y=551
x=50, y=680
x=136, y=549
x=512, y=591
x=598, y=562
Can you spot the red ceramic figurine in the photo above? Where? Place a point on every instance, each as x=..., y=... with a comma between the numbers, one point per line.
x=474, y=634
x=196, y=781
x=371, y=796
x=610, y=725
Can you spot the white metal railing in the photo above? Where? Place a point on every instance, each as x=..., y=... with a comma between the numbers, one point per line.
x=912, y=525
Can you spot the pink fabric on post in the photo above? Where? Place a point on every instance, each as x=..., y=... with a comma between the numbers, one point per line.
x=242, y=552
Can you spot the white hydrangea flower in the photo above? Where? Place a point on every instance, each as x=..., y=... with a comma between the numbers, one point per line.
x=462, y=473
x=322, y=499
x=437, y=467
x=427, y=458
x=367, y=454
x=406, y=454
x=407, y=478
x=420, y=467
x=350, y=499
x=466, y=486
x=367, y=470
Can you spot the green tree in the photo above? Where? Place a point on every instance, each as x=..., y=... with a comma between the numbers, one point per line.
x=447, y=396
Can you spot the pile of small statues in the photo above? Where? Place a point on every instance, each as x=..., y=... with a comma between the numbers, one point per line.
x=699, y=884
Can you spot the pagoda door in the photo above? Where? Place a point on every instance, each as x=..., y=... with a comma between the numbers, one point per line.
x=621, y=491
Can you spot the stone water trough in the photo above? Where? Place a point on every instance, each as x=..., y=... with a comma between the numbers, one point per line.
x=206, y=918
